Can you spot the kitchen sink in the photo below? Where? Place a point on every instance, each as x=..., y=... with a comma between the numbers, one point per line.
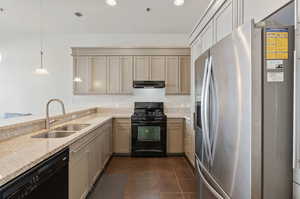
x=72, y=127
x=54, y=134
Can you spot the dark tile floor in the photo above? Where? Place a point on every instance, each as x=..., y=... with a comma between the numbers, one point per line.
x=146, y=178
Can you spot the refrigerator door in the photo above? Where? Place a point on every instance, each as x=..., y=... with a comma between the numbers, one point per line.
x=200, y=74
x=231, y=82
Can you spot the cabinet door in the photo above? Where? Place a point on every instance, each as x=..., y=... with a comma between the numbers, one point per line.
x=122, y=136
x=114, y=75
x=93, y=161
x=189, y=145
x=82, y=70
x=185, y=74
x=207, y=37
x=172, y=76
x=79, y=173
x=141, y=68
x=126, y=64
x=175, y=136
x=99, y=74
x=223, y=21
x=157, y=69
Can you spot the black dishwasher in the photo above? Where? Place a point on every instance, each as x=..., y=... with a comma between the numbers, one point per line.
x=49, y=179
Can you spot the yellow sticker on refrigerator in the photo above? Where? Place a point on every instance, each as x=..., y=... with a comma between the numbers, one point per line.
x=277, y=43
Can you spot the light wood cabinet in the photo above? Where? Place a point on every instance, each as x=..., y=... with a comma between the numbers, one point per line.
x=88, y=157
x=99, y=74
x=93, y=160
x=79, y=173
x=122, y=136
x=172, y=76
x=141, y=68
x=175, y=136
x=185, y=74
x=126, y=65
x=82, y=70
x=158, y=68
x=114, y=71
x=103, y=71
x=189, y=142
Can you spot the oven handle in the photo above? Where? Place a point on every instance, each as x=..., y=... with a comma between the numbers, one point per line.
x=148, y=123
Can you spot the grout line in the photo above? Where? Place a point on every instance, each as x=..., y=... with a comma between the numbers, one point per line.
x=178, y=184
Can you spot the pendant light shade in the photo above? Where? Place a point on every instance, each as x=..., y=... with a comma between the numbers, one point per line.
x=41, y=70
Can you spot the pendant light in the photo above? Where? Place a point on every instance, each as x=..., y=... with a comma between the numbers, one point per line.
x=41, y=70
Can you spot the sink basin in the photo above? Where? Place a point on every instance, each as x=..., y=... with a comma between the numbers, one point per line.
x=72, y=127
x=54, y=134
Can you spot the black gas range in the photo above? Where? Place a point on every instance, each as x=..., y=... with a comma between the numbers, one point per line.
x=149, y=126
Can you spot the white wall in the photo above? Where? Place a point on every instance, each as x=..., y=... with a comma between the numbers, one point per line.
x=23, y=91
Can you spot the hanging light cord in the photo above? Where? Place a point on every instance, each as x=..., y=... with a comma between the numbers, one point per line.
x=41, y=36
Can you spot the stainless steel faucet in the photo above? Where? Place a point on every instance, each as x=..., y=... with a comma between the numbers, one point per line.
x=48, y=122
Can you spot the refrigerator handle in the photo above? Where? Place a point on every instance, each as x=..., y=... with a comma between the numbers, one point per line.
x=203, y=108
x=215, y=118
x=206, y=108
x=207, y=184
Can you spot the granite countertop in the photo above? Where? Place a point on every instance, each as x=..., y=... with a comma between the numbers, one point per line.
x=24, y=152
x=19, y=154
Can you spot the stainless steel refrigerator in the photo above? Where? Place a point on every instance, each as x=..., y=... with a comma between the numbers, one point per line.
x=244, y=115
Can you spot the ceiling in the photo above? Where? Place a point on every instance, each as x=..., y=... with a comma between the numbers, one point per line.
x=129, y=16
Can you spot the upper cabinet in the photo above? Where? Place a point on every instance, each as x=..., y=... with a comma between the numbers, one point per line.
x=99, y=74
x=172, y=77
x=158, y=68
x=112, y=71
x=82, y=69
x=126, y=67
x=185, y=74
x=223, y=21
x=141, y=68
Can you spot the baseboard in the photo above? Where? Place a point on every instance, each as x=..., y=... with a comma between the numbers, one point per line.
x=175, y=155
x=190, y=163
x=121, y=155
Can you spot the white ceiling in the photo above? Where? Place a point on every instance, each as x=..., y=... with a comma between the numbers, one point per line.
x=129, y=16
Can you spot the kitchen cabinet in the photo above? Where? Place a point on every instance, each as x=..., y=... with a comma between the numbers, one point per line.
x=223, y=21
x=126, y=67
x=122, y=136
x=208, y=36
x=258, y=10
x=99, y=74
x=82, y=70
x=141, y=68
x=185, y=74
x=189, y=141
x=172, y=76
x=158, y=68
x=175, y=136
x=114, y=71
x=79, y=172
x=88, y=157
x=93, y=160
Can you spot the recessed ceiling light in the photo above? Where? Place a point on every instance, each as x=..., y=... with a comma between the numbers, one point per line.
x=1, y=9
x=111, y=2
x=178, y=2
x=78, y=14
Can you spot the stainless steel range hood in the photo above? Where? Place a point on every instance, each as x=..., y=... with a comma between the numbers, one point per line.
x=148, y=84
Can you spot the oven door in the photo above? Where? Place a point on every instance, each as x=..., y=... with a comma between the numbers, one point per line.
x=148, y=138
